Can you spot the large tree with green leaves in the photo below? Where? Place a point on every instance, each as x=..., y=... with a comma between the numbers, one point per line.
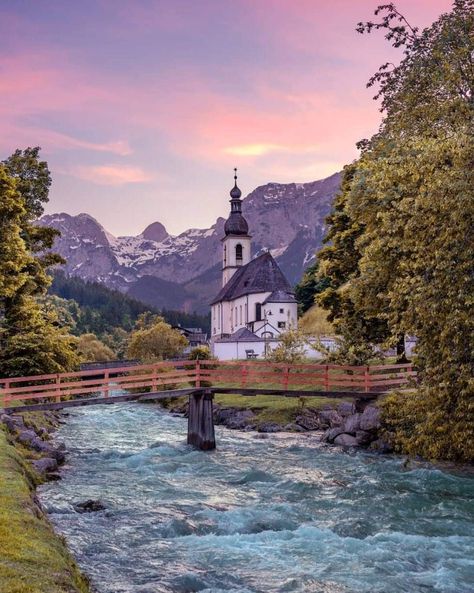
x=32, y=340
x=411, y=201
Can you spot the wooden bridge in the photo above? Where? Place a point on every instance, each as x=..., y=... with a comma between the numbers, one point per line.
x=199, y=380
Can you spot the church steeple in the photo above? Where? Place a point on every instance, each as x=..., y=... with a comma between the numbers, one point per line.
x=236, y=223
x=237, y=241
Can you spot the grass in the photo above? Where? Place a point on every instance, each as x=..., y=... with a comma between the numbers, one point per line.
x=33, y=559
x=274, y=408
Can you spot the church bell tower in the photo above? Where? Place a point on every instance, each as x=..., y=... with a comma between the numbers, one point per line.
x=237, y=241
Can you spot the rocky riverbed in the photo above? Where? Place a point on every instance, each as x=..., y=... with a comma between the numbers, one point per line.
x=342, y=425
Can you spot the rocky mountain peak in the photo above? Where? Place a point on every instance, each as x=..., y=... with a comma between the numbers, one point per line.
x=155, y=232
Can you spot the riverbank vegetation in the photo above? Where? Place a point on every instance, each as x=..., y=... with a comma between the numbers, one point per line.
x=400, y=242
x=33, y=559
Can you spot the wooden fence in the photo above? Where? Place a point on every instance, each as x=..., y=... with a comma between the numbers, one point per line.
x=199, y=374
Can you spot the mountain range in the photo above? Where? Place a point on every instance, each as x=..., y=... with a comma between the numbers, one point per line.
x=184, y=271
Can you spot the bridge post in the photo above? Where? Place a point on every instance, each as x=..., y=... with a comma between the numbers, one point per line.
x=201, y=421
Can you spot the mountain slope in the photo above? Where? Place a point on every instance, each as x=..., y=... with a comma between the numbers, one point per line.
x=184, y=271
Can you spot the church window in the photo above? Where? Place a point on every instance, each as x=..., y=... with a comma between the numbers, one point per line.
x=238, y=253
x=282, y=310
x=282, y=324
x=225, y=255
x=240, y=314
x=258, y=311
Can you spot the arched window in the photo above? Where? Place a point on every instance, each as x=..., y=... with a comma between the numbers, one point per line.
x=225, y=255
x=238, y=253
x=258, y=311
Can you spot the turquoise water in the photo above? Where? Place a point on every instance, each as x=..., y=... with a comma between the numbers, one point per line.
x=283, y=514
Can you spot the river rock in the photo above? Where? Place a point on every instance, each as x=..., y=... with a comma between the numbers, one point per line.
x=269, y=427
x=27, y=437
x=345, y=440
x=370, y=419
x=308, y=420
x=13, y=423
x=329, y=419
x=89, y=506
x=332, y=433
x=352, y=423
x=345, y=409
x=45, y=465
x=240, y=419
x=363, y=437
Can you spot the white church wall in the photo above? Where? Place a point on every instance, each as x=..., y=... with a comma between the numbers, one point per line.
x=236, y=350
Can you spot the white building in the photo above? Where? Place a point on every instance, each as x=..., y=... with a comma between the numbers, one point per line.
x=256, y=302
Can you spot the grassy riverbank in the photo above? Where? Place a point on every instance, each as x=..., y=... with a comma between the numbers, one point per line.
x=275, y=408
x=33, y=559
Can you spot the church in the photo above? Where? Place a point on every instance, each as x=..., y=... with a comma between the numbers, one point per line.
x=256, y=303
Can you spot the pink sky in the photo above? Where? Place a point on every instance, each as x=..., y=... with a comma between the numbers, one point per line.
x=143, y=108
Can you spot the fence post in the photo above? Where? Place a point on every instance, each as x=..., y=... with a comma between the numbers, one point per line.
x=367, y=380
x=106, y=383
x=58, y=388
x=326, y=378
x=6, y=388
x=286, y=377
x=198, y=373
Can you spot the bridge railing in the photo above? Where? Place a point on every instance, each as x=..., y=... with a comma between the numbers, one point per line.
x=306, y=376
x=170, y=375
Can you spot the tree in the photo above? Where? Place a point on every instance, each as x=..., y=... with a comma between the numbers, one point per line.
x=91, y=349
x=157, y=341
x=310, y=285
x=412, y=199
x=31, y=339
x=290, y=349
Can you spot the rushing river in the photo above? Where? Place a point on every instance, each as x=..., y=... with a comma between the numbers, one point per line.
x=280, y=514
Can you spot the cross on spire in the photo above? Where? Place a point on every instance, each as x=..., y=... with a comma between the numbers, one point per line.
x=235, y=175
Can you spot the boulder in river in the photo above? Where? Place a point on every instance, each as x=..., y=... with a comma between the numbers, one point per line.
x=352, y=424
x=345, y=409
x=346, y=440
x=269, y=427
x=329, y=419
x=89, y=506
x=332, y=433
x=308, y=420
x=46, y=465
x=370, y=419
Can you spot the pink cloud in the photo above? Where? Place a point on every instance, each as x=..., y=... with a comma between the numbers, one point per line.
x=113, y=175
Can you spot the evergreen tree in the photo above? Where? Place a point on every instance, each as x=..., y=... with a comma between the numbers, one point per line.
x=309, y=287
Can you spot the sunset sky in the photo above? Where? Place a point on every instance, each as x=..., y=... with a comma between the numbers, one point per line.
x=143, y=107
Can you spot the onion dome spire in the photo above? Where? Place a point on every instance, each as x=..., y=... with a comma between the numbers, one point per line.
x=236, y=223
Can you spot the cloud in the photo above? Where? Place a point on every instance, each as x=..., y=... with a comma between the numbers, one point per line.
x=254, y=149
x=112, y=175
x=58, y=140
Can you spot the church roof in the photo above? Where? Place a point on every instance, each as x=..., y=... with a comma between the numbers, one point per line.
x=262, y=274
x=241, y=335
x=236, y=225
x=280, y=296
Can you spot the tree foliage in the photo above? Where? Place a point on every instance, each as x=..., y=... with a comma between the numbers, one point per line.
x=408, y=209
x=290, y=348
x=31, y=338
x=91, y=349
x=154, y=340
x=310, y=285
